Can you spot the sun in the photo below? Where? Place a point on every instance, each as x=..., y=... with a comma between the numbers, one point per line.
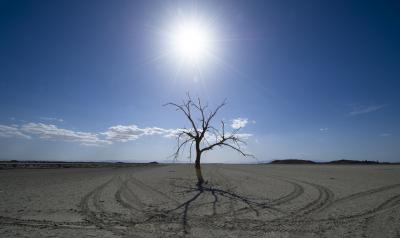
x=190, y=44
x=191, y=41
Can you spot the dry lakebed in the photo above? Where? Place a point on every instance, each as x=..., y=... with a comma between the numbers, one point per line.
x=236, y=201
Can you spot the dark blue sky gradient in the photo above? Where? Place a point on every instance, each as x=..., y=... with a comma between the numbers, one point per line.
x=320, y=79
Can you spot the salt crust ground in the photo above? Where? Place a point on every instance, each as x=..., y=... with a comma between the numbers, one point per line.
x=237, y=201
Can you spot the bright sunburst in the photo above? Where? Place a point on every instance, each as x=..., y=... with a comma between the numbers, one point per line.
x=191, y=41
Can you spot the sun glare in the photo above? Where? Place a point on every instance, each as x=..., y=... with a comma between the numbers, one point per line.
x=191, y=41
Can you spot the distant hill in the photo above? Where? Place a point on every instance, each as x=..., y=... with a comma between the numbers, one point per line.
x=292, y=161
x=11, y=164
x=342, y=161
x=345, y=161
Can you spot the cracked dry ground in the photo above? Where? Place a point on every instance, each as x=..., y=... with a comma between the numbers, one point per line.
x=236, y=201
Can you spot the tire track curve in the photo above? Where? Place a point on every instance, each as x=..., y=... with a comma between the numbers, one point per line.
x=324, y=199
x=362, y=194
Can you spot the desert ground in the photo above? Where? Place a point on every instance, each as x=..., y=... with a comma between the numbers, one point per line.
x=236, y=201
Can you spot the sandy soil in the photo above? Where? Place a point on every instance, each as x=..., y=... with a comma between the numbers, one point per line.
x=237, y=201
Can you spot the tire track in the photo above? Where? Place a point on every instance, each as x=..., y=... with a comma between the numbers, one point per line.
x=299, y=222
x=144, y=186
x=84, y=204
x=92, y=221
x=241, y=211
x=233, y=212
x=123, y=192
x=96, y=196
x=10, y=221
x=258, y=206
x=324, y=199
x=297, y=191
x=362, y=194
x=304, y=225
x=99, y=217
x=387, y=204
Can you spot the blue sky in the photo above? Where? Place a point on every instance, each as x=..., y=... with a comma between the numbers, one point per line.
x=87, y=80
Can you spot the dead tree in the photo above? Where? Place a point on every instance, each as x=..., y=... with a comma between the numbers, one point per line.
x=202, y=135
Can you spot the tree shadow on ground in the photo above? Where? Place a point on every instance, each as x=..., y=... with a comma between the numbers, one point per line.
x=182, y=210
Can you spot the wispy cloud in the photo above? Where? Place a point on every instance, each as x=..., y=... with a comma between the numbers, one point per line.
x=118, y=133
x=173, y=133
x=123, y=133
x=52, y=132
x=358, y=110
x=244, y=136
x=385, y=134
x=323, y=129
x=12, y=132
x=131, y=132
x=53, y=119
x=239, y=123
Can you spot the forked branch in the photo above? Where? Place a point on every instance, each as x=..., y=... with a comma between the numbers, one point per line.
x=203, y=132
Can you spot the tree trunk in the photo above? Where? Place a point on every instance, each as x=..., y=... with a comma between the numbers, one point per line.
x=197, y=166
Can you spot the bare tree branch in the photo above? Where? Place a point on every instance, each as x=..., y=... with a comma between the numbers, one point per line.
x=199, y=135
x=186, y=110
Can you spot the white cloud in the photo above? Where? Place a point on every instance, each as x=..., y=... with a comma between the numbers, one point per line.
x=12, y=132
x=239, y=123
x=154, y=130
x=52, y=132
x=123, y=133
x=118, y=133
x=365, y=109
x=244, y=136
x=173, y=133
x=131, y=132
x=324, y=129
x=54, y=119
